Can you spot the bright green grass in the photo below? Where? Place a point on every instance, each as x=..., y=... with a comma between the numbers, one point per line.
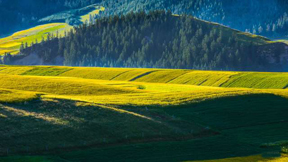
x=118, y=118
x=258, y=80
x=160, y=76
x=188, y=86
x=60, y=86
x=46, y=71
x=215, y=79
x=283, y=40
x=14, y=70
x=95, y=73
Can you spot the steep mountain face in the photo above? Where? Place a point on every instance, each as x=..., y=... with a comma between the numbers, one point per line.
x=157, y=40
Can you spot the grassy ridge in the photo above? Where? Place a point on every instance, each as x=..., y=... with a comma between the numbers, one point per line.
x=12, y=43
x=203, y=78
x=10, y=96
x=257, y=80
x=257, y=158
x=119, y=111
x=112, y=92
x=138, y=86
x=240, y=140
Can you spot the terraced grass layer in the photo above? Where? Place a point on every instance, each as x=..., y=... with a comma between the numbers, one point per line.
x=256, y=80
x=140, y=114
x=114, y=92
x=60, y=86
x=259, y=80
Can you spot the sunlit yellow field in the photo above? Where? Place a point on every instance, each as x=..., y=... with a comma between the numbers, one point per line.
x=256, y=158
x=136, y=86
x=214, y=106
x=92, y=13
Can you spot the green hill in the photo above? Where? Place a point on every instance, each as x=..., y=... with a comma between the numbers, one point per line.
x=84, y=114
x=159, y=40
x=259, y=80
x=56, y=24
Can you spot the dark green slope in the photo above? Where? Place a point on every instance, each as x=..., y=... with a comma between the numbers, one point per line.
x=244, y=124
x=159, y=40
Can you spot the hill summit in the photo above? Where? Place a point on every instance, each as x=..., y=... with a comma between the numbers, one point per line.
x=158, y=39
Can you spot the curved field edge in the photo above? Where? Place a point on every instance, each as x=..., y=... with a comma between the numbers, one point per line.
x=83, y=103
x=176, y=121
x=256, y=80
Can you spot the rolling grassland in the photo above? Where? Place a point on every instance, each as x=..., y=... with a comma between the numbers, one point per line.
x=12, y=44
x=118, y=114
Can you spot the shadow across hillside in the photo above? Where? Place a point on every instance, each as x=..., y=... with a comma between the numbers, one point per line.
x=235, y=127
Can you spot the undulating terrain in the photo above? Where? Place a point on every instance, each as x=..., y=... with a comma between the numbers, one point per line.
x=143, y=80
x=264, y=17
x=80, y=114
x=156, y=39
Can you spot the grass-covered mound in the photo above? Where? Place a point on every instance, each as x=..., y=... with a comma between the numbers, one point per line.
x=139, y=114
x=217, y=129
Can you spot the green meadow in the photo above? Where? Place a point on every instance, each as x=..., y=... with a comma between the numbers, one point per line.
x=119, y=114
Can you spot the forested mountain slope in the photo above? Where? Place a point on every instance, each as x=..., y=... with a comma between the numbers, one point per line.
x=264, y=17
x=158, y=39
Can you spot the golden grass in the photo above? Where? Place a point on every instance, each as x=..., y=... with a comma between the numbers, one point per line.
x=12, y=43
x=97, y=10
x=41, y=116
x=161, y=76
x=207, y=78
x=17, y=70
x=254, y=158
x=283, y=41
x=60, y=85
x=94, y=73
x=158, y=94
x=2, y=116
x=131, y=74
x=16, y=96
x=113, y=86
x=258, y=80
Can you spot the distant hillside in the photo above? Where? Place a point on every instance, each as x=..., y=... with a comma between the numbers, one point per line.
x=161, y=40
x=65, y=21
x=17, y=15
x=263, y=17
